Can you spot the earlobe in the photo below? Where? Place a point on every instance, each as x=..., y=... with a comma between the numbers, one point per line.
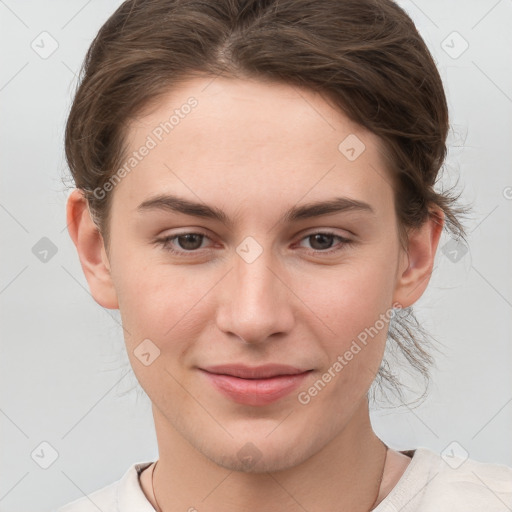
x=418, y=262
x=91, y=251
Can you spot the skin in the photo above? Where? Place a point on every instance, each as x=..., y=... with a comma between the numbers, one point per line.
x=255, y=149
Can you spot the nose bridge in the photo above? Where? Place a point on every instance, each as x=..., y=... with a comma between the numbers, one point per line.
x=255, y=284
x=257, y=300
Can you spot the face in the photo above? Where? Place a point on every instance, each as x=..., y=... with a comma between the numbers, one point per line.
x=265, y=318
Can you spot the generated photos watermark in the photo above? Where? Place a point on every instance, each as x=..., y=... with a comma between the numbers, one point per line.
x=305, y=397
x=152, y=140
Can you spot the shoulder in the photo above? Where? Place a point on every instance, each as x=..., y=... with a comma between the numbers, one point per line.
x=123, y=495
x=452, y=483
x=104, y=499
x=468, y=484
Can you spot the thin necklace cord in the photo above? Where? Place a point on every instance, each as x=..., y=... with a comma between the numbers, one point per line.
x=371, y=508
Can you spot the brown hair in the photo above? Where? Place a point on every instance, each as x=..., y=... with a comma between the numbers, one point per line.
x=365, y=56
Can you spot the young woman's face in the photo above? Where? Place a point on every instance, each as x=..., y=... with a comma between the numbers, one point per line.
x=261, y=279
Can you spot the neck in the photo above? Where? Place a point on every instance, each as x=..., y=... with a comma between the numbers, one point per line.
x=344, y=475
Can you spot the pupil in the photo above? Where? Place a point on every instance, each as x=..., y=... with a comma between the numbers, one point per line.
x=190, y=239
x=321, y=237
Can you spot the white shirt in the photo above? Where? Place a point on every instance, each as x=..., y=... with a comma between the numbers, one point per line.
x=429, y=484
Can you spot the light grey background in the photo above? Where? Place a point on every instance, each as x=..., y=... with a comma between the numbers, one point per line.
x=65, y=377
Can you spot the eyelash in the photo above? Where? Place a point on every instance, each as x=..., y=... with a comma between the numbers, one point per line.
x=165, y=243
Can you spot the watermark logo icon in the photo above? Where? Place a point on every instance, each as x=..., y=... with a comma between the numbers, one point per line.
x=454, y=455
x=44, y=455
x=249, y=455
x=146, y=352
x=249, y=250
x=351, y=147
x=44, y=45
x=454, y=250
x=454, y=45
x=44, y=250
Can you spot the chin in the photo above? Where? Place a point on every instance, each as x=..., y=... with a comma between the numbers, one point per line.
x=263, y=453
x=263, y=461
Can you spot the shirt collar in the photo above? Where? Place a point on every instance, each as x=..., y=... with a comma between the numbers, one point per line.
x=130, y=496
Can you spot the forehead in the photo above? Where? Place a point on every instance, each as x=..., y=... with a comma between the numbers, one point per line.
x=217, y=136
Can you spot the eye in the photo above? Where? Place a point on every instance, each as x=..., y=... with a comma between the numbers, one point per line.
x=186, y=242
x=322, y=241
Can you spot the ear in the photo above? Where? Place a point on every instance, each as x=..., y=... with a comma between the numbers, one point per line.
x=417, y=263
x=91, y=250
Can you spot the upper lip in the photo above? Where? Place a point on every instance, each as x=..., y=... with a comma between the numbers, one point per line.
x=253, y=372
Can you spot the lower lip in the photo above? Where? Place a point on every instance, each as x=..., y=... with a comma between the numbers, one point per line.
x=256, y=391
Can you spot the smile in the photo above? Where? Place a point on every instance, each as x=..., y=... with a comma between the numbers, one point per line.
x=255, y=386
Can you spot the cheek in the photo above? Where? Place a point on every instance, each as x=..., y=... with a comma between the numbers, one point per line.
x=161, y=305
x=355, y=303
x=153, y=299
x=350, y=297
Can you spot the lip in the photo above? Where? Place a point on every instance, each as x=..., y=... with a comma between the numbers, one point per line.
x=260, y=385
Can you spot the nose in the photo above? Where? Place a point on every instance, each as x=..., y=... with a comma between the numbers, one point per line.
x=255, y=301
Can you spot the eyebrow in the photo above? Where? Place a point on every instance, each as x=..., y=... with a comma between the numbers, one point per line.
x=177, y=204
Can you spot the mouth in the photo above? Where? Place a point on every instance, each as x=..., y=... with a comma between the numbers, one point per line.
x=255, y=386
